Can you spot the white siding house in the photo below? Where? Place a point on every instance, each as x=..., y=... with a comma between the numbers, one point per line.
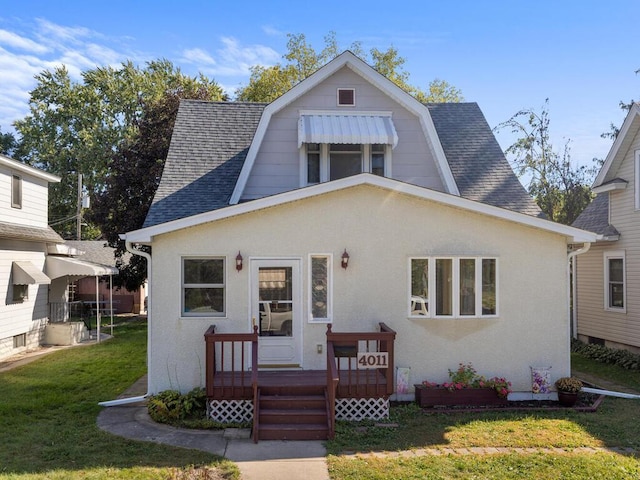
x=24, y=236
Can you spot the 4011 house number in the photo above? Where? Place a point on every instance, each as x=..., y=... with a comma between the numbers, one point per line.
x=373, y=359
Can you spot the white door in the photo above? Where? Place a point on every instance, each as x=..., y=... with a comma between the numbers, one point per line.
x=276, y=307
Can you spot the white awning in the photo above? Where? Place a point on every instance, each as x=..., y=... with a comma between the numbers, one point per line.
x=63, y=266
x=26, y=273
x=352, y=129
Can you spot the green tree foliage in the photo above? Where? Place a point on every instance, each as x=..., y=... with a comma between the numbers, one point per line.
x=560, y=188
x=134, y=172
x=8, y=144
x=301, y=60
x=75, y=127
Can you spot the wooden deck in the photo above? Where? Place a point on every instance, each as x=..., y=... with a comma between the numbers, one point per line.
x=353, y=384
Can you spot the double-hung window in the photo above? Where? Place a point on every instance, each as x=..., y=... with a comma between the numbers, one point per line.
x=324, y=162
x=615, y=291
x=448, y=287
x=203, y=286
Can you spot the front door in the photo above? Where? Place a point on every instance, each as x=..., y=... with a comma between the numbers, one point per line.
x=276, y=307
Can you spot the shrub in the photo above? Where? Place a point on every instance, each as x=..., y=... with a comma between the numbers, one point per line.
x=613, y=356
x=172, y=407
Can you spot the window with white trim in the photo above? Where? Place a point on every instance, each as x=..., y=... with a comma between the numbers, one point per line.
x=615, y=291
x=203, y=286
x=320, y=301
x=20, y=293
x=324, y=162
x=453, y=287
x=16, y=191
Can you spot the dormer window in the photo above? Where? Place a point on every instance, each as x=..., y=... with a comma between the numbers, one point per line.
x=16, y=191
x=325, y=162
x=346, y=97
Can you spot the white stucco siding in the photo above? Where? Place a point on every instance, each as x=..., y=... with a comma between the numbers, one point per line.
x=277, y=165
x=381, y=231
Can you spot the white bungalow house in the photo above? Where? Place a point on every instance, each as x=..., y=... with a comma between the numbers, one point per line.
x=345, y=226
x=608, y=276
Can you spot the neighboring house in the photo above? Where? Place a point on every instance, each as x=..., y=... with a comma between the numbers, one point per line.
x=347, y=203
x=84, y=289
x=24, y=239
x=608, y=276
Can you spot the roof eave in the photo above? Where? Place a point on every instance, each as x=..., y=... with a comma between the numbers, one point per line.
x=145, y=236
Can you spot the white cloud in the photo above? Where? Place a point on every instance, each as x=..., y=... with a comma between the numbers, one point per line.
x=272, y=31
x=11, y=39
x=198, y=56
x=232, y=60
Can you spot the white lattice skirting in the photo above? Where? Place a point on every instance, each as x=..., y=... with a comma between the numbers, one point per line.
x=230, y=411
x=354, y=409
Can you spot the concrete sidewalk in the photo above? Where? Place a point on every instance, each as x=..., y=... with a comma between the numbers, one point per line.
x=265, y=460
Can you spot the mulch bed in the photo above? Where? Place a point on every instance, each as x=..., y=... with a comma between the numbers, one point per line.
x=587, y=402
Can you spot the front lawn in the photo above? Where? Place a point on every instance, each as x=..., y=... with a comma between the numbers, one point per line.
x=615, y=425
x=48, y=412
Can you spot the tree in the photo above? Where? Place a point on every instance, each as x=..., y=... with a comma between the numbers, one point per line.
x=8, y=144
x=75, y=127
x=268, y=83
x=134, y=173
x=560, y=188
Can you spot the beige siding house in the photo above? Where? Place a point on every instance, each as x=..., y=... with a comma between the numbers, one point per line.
x=608, y=276
x=348, y=204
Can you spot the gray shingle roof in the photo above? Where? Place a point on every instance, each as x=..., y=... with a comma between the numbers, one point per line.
x=477, y=162
x=32, y=234
x=96, y=251
x=211, y=139
x=208, y=147
x=595, y=218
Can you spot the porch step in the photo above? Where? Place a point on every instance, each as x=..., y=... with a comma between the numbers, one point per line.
x=293, y=432
x=293, y=417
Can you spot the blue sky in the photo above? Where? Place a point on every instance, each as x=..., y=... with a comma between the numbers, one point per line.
x=504, y=55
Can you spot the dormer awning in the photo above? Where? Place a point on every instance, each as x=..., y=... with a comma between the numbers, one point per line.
x=354, y=128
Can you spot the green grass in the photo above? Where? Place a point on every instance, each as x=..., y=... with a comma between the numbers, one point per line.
x=48, y=412
x=615, y=424
x=612, y=373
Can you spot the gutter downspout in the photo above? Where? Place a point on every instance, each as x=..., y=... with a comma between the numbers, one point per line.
x=573, y=288
x=126, y=401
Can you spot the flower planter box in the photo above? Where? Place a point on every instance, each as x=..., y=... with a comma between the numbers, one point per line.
x=430, y=397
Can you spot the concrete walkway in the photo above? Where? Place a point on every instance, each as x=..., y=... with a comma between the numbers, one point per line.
x=265, y=460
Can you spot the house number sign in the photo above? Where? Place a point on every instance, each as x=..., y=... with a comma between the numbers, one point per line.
x=373, y=360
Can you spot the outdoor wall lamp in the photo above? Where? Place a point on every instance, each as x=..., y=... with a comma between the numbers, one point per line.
x=239, y=261
x=345, y=259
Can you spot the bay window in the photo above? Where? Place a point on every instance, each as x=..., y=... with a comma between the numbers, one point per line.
x=453, y=287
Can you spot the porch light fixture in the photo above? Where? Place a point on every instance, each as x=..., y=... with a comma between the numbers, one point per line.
x=345, y=259
x=239, y=261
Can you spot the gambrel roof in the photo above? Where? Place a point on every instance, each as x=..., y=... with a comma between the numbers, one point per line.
x=214, y=145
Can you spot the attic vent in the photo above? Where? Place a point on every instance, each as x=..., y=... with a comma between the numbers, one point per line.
x=346, y=97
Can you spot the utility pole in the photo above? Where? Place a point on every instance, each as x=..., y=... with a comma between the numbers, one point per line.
x=79, y=209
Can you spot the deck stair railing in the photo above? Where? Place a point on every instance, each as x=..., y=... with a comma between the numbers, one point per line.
x=345, y=378
x=231, y=352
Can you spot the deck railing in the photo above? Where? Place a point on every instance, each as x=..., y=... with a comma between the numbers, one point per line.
x=345, y=378
x=230, y=353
